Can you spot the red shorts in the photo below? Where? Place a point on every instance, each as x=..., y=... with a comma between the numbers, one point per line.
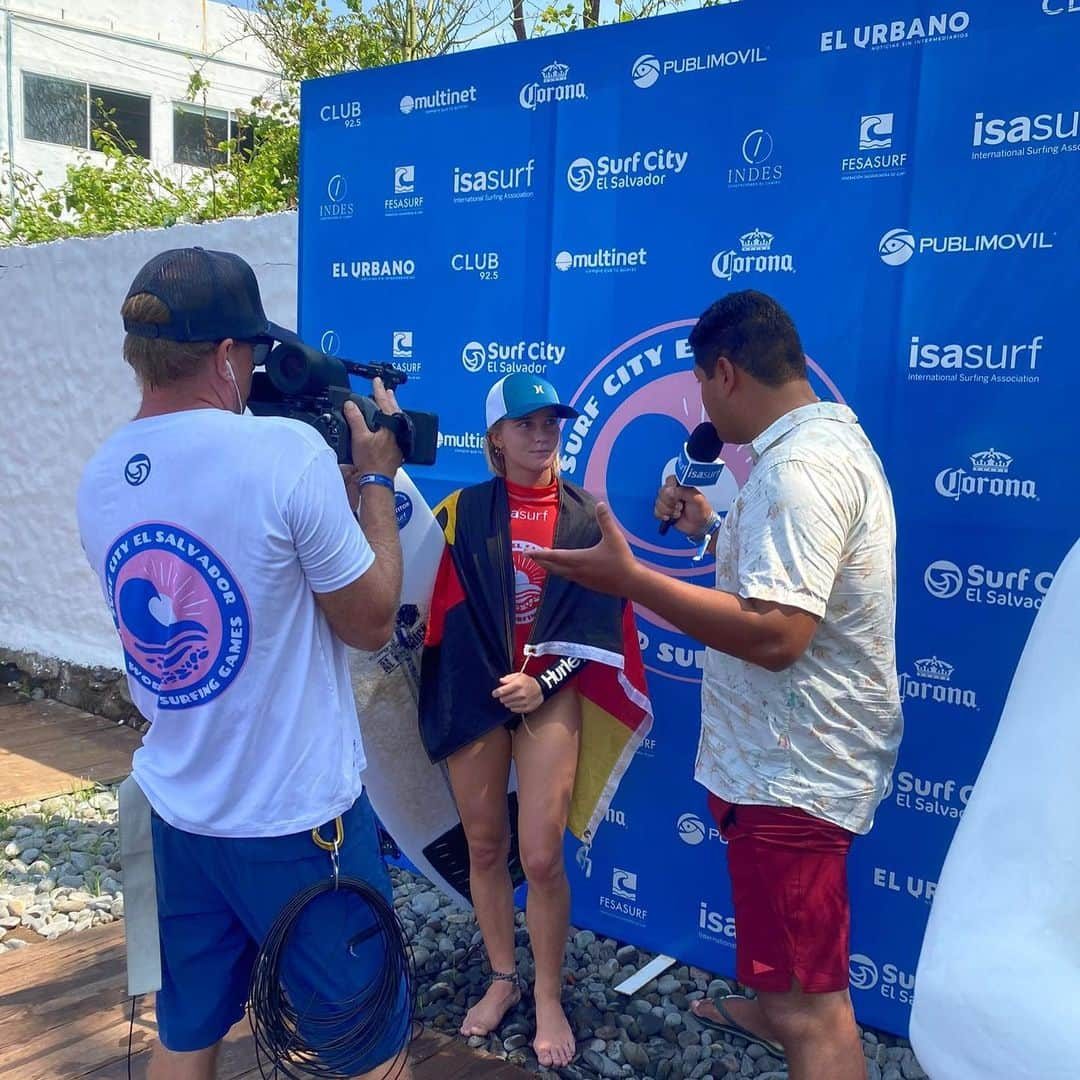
x=789, y=887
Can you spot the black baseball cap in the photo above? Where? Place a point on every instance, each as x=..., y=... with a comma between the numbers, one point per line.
x=211, y=295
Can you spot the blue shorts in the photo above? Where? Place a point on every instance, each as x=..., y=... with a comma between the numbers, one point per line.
x=217, y=899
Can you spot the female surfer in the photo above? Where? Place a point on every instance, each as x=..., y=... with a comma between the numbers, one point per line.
x=512, y=663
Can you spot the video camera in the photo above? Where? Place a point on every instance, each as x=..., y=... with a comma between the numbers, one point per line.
x=303, y=384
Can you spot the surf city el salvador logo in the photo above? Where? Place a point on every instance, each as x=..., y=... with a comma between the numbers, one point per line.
x=181, y=615
x=643, y=395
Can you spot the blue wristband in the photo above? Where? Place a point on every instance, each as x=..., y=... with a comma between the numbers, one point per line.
x=376, y=478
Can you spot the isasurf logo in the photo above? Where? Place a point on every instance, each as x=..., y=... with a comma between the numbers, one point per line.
x=515, y=181
x=988, y=477
x=946, y=26
x=1028, y=135
x=554, y=85
x=977, y=362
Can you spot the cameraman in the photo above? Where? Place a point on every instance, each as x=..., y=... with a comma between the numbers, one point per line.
x=234, y=569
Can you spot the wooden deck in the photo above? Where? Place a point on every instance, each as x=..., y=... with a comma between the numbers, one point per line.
x=64, y=1014
x=50, y=749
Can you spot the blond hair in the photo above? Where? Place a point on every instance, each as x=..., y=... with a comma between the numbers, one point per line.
x=496, y=461
x=159, y=362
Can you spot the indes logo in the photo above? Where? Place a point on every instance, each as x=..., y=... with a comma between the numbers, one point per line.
x=759, y=166
x=648, y=69
x=978, y=584
x=897, y=246
x=448, y=100
x=932, y=682
x=506, y=358
x=872, y=162
x=182, y=617
x=602, y=261
x=947, y=26
x=374, y=270
x=494, y=184
x=346, y=113
x=989, y=476
x=338, y=206
x=640, y=169
x=554, y=85
x=981, y=362
x=1025, y=136
x=756, y=257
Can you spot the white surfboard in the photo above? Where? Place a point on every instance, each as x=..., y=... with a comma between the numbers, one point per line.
x=411, y=796
x=997, y=992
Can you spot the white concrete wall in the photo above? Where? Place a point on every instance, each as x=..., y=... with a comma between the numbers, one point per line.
x=148, y=47
x=65, y=388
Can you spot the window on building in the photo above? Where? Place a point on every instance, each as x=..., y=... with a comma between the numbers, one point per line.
x=199, y=132
x=67, y=112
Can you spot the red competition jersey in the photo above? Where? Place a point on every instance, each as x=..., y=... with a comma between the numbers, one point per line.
x=533, y=513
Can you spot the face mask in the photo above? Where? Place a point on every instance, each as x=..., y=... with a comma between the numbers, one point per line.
x=232, y=376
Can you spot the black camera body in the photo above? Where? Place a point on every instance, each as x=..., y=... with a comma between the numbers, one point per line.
x=301, y=383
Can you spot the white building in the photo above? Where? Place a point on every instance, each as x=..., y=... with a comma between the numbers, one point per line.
x=62, y=61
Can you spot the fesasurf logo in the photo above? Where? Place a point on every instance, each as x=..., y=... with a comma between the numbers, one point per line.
x=649, y=168
x=484, y=264
x=622, y=902
x=756, y=257
x=760, y=165
x=374, y=269
x=897, y=246
x=877, y=157
x=494, y=184
x=978, y=584
x=406, y=200
x=917, y=888
x=947, y=26
x=338, y=206
x=989, y=476
x=447, y=100
x=939, y=798
x=602, y=261
x=346, y=113
x=554, y=85
x=981, y=362
x=887, y=979
x=647, y=69
x=508, y=358
x=933, y=682
x=1027, y=135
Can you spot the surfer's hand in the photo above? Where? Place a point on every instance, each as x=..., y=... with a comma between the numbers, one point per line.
x=519, y=692
x=607, y=567
x=374, y=451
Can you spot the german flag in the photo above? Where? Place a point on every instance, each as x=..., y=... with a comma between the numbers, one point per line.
x=469, y=644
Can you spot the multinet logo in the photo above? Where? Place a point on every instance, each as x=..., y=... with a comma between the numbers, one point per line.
x=948, y=26
x=554, y=86
x=759, y=168
x=448, y=100
x=932, y=682
x=898, y=246
x=648, y=69
x=756, y=257
x=346, y=113
x=468, y=442
x=602, y=261
x=989, y=476
x=338, y=207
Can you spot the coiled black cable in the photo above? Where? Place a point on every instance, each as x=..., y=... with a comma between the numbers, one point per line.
x=366, y=1018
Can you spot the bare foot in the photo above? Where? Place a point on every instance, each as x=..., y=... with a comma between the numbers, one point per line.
x=487, y=1014
x=554, y=1043
x=746, y=1012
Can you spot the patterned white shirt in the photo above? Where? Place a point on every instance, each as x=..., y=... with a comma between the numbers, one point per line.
x=813, y=528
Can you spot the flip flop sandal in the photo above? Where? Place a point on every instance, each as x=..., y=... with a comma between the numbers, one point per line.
x=732, y=1027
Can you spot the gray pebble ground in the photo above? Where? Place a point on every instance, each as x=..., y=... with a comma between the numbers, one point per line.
x=60, y=874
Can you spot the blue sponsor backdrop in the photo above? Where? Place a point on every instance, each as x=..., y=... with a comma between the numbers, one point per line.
x=906, y=187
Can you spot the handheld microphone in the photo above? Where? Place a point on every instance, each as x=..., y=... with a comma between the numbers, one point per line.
x=697, y=465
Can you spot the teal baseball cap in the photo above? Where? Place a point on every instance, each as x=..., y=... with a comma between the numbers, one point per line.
x=517, y=395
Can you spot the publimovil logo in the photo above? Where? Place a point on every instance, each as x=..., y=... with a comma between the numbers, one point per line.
x=554, y=86
x=648, y=69
x=988, y=476
x=648, y=168
x=978, y=584
x=756, y=257
x=933, y=682
x=897, y=246
x=946, y=26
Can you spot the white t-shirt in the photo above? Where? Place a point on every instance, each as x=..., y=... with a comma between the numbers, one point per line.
x=813, y=528
x=210, y=533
